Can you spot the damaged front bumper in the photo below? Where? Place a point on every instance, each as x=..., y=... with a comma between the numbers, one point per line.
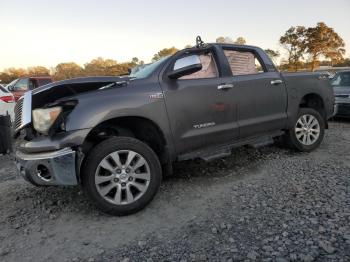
x=49, y=168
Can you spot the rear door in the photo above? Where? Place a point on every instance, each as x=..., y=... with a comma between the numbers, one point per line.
x=259, y=92
x=200, y=111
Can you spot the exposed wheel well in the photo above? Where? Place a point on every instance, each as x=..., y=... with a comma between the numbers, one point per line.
x=141, y=128
x=314, y=101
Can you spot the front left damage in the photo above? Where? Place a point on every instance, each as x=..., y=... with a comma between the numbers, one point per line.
x=53, y=158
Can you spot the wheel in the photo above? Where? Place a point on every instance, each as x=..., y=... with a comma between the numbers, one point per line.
x=307, y=132
x=121, y=175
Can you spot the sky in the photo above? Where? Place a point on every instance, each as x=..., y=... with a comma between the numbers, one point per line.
x=42, y=32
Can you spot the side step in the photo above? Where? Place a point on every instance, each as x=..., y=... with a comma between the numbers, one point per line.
x=215, y=155
x=210, y=153
x=263, y=141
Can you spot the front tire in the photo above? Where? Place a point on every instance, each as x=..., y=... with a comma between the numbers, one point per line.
x=307, y=132
x=121, y=175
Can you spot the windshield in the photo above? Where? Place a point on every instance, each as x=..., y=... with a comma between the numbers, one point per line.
x=144, y=71
x=341, y=79
x=12, y=83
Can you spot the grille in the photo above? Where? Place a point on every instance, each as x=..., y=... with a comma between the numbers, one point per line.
x=18, y=113
x=343, y=96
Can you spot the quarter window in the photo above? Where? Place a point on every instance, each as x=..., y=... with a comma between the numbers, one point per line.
x=243, y=62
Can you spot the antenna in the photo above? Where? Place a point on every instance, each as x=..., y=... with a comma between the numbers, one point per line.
x=199, y=42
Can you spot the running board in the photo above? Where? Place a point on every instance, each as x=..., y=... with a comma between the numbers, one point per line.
x=214, y=152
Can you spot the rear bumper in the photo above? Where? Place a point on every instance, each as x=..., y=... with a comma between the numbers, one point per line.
x=50, y=168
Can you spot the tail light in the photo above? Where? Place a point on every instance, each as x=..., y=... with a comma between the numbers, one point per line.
x=7, y=99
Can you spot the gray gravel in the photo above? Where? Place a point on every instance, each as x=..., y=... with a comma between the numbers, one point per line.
x=267, y=204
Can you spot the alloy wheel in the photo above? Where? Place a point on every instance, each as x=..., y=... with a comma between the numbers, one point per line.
x=307, y=129
x=122, y=177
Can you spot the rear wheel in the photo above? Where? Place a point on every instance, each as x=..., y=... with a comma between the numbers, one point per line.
x=121, y=175
x=308, y=130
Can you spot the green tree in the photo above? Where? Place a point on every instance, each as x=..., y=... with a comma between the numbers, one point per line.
x=16, y=72
x=220, y=39
x=67, y=70
x=240, y=41
x=120, y=69
x=164, y=52
x=323, y=41
x=272, y=54
x=135, y=62
x=345, y=62
x=100, y=67
x=38, y=71
x=5, y=78
x=293, y=41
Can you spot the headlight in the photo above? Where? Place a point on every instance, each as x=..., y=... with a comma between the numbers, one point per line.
x=44, y=118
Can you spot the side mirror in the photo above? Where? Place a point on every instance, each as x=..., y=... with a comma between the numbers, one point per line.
x=10, y=88
x=185, y=66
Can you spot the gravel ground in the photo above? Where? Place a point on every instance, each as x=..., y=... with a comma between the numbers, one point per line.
x=266, y=204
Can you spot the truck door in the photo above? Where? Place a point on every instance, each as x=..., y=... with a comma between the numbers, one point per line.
x=201, y=113
x=260, y=93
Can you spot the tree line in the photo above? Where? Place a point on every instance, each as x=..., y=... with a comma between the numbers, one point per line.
x=305, y=47
x=96, y=67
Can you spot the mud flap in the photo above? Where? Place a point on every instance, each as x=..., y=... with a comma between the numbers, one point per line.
x=5, y=135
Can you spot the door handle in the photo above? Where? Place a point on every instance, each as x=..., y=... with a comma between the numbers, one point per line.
x=225, y=86
x=276, y=82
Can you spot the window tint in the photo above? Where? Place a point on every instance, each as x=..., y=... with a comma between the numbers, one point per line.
x=243, y=62
x=42, y=82
x=21, y=85
x=209, y=68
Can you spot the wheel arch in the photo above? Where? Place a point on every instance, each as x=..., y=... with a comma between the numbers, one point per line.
x=142, y=128
x=316, y=102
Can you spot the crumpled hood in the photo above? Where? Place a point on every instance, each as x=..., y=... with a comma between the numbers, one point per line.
x=66, y=88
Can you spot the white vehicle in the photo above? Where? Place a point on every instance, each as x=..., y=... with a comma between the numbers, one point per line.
x=7, y=103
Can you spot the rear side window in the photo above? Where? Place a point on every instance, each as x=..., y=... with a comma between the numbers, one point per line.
x=243, y=62
x=42, y=82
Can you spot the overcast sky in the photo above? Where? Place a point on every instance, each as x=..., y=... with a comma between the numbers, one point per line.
x=42, y=32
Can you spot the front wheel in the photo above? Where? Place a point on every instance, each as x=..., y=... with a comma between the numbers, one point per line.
x=121, y=175
x=307, y=132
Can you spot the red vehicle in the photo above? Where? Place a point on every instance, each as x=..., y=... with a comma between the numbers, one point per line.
x=21, y=85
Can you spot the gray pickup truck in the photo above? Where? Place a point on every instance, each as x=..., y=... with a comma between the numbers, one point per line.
x=117, y=136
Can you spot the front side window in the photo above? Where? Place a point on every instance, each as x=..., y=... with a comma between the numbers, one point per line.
x=209, y=68
x=243, y=62
x=21, y=85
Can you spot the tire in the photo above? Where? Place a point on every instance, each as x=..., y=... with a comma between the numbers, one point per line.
x=114, y=189
x=304, y=138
